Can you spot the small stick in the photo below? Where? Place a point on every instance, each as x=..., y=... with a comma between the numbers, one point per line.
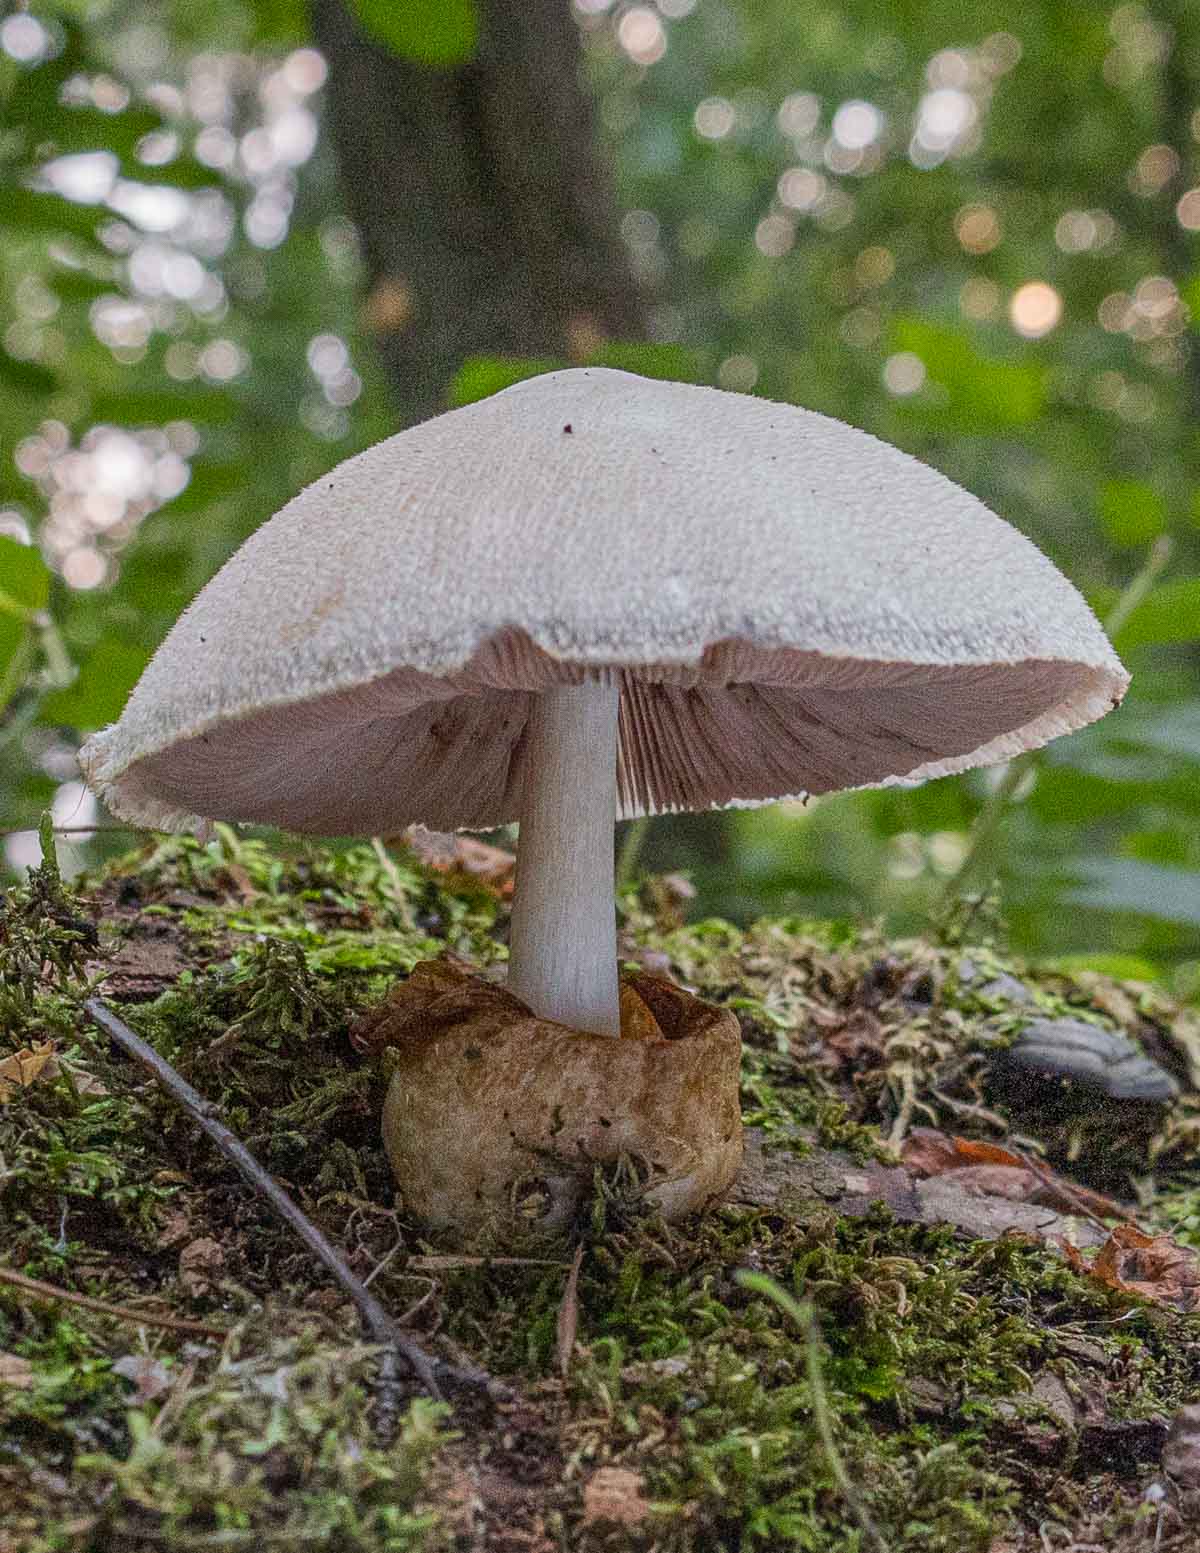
x=568, y=1314
x=1065, y=1189
x=449, y=1264
x=50, y=1291
x=375, y=1318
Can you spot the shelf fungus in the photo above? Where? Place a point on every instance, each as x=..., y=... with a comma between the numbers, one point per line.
x=590, y=597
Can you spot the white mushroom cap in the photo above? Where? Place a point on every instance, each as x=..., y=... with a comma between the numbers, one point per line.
x=789, y=605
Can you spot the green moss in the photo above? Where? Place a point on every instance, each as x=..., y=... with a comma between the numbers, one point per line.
x=681, y=1374
x=274, y=1445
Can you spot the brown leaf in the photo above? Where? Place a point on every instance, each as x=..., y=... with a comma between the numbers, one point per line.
x=491, y=866
x=21, y=1069
x=857, y=1040
x=930, y=1153
x=1153, y=1266
x=200, y=1265
x=613, y=1495
x=15, y=1372
x=991, y=1168
x=1014, y=1182
x=176, y=1227
x=771, y=1176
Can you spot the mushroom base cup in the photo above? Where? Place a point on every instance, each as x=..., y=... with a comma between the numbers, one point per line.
x=497, y=1119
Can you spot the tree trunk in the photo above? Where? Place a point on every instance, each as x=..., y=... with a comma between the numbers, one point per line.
x=487, y=221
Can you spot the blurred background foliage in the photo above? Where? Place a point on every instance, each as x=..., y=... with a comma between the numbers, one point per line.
x=971, y=228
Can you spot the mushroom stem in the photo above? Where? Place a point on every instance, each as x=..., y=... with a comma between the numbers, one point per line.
x=563, y=956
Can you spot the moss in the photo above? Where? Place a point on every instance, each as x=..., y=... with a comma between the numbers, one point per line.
x=273, y=1445
x=246, y=963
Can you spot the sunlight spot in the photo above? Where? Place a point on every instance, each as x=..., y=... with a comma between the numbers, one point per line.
x=642, y=35
x=800, y=188
x=857, y=124
x=714, y=118
x=738, y=373
x=977, y=228
x=1035, y=309
x=903, y=374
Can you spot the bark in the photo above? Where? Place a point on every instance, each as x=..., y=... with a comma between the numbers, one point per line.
x=487, y=220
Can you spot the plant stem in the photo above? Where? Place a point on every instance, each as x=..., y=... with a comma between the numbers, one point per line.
x=804, y=1317
x=563, y=955
x=631, y=850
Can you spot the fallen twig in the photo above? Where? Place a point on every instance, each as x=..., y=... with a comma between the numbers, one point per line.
x=568, y=1314
x=453, y=1263
x=379, y=1324
x=50, y=1291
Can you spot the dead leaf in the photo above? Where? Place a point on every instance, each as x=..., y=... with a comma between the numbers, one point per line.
x=931, y=1153
x=21, y=1069
x=15, y=1372
x=857, y=1040
x=388, y=307
x=176, y=1227
x=1153, y=1266
x=150, y=1376
x=999, y=1172
x=492, y=866
x=86, y=1083
x=200, y=1265
x=613, y=1495
x=773, y=1176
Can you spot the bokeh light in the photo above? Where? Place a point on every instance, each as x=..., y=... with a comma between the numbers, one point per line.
x=1035, y=309
x=904, y=374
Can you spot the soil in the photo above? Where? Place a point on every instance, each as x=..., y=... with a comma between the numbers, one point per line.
x=936, y=1312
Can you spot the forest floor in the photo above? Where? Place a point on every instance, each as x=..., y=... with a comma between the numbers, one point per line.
x=950, y=1305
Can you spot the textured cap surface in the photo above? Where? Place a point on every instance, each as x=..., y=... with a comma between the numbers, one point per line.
x=791, y=606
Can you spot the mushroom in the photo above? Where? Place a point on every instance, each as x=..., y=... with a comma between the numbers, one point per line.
x=596, y=596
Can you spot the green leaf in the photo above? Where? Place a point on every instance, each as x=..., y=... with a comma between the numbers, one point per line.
x=1133, y=513
x=78, y=285
x=97, y=697
x=24, y=578
x=279, y=23
x=481, y=376
x=71, y=130
x=16, y=653
x=26, y=376
x=675, y=363
x=1171, y=613
x=1149, y=889
x=24, y=589
x=49, y=213
x=441, y=33
x=982, y=395
x=152, y=406
x=1125, y=967
x=1175, y=730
